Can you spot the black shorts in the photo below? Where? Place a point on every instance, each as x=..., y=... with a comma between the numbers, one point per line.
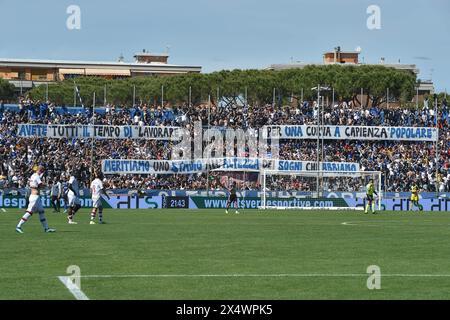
x=232, y=198
x=369, y=198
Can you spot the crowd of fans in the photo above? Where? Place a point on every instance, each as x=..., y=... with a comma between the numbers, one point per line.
x=400, y=162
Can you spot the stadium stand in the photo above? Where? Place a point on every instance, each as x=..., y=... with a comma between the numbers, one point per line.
x=400, y=162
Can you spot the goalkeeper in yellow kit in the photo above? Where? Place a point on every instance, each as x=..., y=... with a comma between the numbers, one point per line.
x=415, y=197
x=370, y=190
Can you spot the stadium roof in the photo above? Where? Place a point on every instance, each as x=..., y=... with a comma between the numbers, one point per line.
x=5, y=62
x=151, y=54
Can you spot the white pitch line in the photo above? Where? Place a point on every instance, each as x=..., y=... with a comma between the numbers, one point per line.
x=219, y=275
x=382, y=223
x=3, y=210
x=77, y=293
x=356, y=223
x=337, y=275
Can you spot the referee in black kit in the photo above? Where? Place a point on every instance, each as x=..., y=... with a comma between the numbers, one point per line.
x=232, y=197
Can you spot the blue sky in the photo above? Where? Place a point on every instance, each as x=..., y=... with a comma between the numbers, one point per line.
x=228, y=34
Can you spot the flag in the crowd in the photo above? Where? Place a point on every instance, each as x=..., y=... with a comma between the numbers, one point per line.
x=79, y=96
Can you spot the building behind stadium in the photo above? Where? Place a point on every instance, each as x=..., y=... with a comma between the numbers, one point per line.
x=424, y=88
x=25, y=74
x=28, y=73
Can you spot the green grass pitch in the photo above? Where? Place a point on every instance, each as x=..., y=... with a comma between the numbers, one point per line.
x=207, y=254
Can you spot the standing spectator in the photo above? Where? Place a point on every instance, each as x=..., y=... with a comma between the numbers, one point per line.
x=55, y=194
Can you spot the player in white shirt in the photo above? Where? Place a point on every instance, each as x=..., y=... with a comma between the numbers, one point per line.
x=72, y=195
x=55, y=194
x=34, y=202
x=97, y=191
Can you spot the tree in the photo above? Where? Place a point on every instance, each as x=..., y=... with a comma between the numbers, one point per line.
x=6, y=90
x=346, y=80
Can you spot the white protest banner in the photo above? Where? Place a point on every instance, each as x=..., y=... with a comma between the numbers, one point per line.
x=351, y=132
x=294, y=165
x=133, y=166
x=59, y=131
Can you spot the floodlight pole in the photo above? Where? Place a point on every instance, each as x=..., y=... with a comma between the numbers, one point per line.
x=264, y=189
x=417, y=97
x=190, y=96
x=323, y=124
x=318, y=128
x=437, y=143
x=333, y=98
x=207, y=170
x=93, y=137
x=243, y=190
x=218, y=99
x=273, y=98
x=387, y=98
x=246, y=104
x=380, y=191
x=362, y=93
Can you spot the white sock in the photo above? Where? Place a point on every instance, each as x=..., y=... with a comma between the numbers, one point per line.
x=24, y=219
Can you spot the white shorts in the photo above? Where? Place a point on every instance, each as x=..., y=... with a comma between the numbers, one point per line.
x=97, y=203
x=73, y=200
x=35, y=204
